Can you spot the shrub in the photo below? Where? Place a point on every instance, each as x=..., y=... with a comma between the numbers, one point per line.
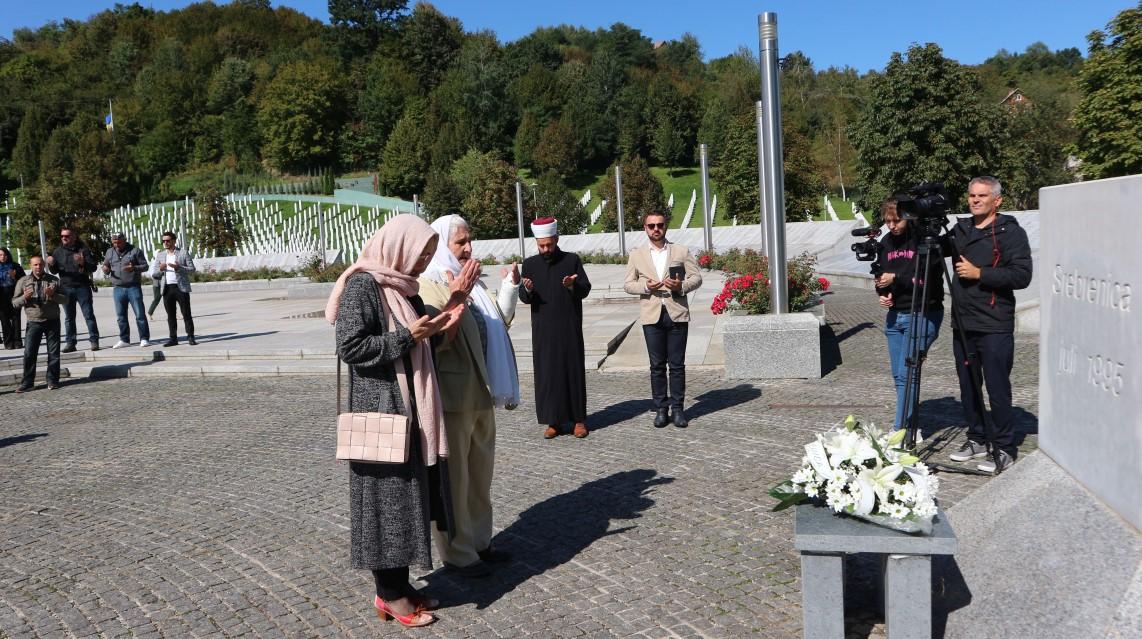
x=748, y=289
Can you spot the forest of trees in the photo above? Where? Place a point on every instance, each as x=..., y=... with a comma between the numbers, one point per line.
x=406, y=93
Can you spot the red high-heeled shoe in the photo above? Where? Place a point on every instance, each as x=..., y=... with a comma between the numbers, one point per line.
x=415, y=619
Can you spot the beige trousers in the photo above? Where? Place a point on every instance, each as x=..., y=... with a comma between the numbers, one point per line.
x=471, y=458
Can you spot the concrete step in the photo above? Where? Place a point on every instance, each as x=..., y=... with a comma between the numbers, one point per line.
x=203, y=368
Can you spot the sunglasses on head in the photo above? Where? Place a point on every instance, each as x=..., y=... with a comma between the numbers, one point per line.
x=656, y=225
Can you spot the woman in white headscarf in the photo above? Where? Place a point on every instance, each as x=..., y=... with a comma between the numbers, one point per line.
x=497, y=314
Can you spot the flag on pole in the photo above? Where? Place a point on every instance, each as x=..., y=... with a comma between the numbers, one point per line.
x=109, y=122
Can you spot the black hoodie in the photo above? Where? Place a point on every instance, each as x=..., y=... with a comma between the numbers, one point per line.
x=1002, y=253
x=898, y=256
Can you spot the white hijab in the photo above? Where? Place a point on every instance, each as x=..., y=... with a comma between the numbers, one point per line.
x=500, y=362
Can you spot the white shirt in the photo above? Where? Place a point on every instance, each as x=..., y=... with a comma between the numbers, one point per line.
x=660, y=257
x=171, y=274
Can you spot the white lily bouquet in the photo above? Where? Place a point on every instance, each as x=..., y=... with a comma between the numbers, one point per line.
x=862, y=471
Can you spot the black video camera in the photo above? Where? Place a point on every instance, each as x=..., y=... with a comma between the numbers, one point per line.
x=867, y=250
x=928, y=205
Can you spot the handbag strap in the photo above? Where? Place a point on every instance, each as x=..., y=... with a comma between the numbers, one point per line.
x=391, y=323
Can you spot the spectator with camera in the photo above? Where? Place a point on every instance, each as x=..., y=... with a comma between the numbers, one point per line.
x=39, y=294
x=992, y=260
x=74, y=264
x=899, y=290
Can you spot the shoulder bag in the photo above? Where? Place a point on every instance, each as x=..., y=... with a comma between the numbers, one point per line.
x=372, y=438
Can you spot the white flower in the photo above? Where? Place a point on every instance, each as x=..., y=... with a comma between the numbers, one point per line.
x=803, y=476
x=849, y=446
x=905, y=492
x=896, y=511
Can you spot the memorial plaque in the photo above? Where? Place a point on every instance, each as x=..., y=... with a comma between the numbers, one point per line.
x=1090, y=412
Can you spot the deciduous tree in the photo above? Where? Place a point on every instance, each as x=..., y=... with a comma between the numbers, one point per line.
x=1108, y=120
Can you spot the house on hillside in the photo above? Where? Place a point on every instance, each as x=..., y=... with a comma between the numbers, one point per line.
x=1015, y=99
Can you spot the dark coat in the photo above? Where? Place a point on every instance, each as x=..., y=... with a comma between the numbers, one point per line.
x=390, y=505
x=1003, y=254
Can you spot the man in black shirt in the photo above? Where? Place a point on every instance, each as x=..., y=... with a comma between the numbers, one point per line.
x=73, y=263
x=992, y=260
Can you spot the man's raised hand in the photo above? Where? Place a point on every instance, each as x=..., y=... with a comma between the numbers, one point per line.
x=569, y=281
x=528, y=284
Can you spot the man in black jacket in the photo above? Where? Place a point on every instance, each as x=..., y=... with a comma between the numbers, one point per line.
x=992, y=260
x=73, y=263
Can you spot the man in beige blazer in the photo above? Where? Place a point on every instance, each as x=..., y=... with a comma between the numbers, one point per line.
x=662, y=274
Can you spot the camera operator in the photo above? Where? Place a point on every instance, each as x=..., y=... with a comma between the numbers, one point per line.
x=992, y=260
x=896, y=286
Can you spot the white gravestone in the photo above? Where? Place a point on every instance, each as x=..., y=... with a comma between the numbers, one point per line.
x=1090, y=398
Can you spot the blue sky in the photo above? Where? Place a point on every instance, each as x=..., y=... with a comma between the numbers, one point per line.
x=860, y=34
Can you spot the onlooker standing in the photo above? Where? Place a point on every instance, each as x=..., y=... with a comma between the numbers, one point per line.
x=992, y=260
x=126, y=264
x=894, y=271
x=10, y=273
x=40, y=295
x=73, y=263
x=661, y=274
x=156, y=290
x=172, y=270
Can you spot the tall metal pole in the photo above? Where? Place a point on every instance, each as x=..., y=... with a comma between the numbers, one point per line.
x=707, y=223
x=619, y=206
x=519, y=215
x=321, y=233
x=774, y=163
x=44, y=244
x=761, y=190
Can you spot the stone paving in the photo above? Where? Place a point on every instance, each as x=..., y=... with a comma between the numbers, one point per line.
x=212, y=507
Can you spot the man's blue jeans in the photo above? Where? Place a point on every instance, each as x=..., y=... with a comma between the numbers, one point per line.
x=82, y=296
x=896, y=331
x=132, y=295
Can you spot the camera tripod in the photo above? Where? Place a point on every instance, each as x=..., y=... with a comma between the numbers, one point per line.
x=928, y=249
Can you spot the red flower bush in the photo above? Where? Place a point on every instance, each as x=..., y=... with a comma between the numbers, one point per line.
x=750, y=292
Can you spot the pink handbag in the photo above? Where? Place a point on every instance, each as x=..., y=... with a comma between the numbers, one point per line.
x=372, y=438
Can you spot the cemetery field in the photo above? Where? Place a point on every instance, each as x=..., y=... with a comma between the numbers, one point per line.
x=681, y=182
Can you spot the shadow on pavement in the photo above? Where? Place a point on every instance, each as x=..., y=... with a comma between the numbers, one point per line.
x=551, y=533
x=830, y=350
x=21, y=439
x=721, y=398
x=221, y=337
x=620, y=412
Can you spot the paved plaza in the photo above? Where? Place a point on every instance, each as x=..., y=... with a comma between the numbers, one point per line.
x=211, y=506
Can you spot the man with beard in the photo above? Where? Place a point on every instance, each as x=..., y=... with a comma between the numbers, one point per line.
x=554, y=284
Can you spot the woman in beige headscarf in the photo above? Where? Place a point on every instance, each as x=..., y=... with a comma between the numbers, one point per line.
x=385, y=337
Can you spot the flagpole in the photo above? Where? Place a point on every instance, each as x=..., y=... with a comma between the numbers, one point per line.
x=111, y=112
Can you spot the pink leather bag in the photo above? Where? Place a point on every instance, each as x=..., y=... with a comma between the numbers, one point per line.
x=372, y=438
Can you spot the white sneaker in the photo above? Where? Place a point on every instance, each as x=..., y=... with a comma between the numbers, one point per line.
x=144, y=343
x=121, y=344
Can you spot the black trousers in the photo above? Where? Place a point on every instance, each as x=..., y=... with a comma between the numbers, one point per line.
x=392, y=583
x=9, y=318
x=37, y=331
x=666, y=344
x=172, y=296
x=995, y=353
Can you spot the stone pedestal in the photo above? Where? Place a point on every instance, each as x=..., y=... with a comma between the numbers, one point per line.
x=823, y=539
x=772, y=346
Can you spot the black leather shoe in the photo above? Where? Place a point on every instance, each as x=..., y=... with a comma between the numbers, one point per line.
x=662, y=418
x=473, y=571
x=680, y=419
x=190, y=340
x=70, y=348
x=494, y=556
x=170, y=342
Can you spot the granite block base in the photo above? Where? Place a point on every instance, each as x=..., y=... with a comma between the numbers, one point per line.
x=772, y=346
